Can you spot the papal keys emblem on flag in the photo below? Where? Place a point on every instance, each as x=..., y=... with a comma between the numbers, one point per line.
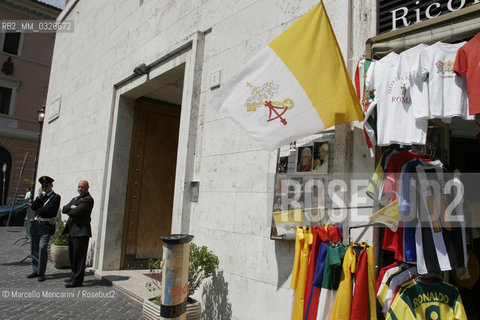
x=262, y=98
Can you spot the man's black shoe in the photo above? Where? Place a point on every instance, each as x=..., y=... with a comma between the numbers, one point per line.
x=41, y=278
x=32, y=275
x=73, y=285
x=67, y=280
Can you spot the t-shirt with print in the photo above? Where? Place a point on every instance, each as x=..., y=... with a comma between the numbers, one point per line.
x=436, y=300
x=447, y=92
x=396, y=122
x=416, y=85
x=468, y=62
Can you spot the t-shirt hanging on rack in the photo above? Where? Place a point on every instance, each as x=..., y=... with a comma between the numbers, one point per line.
x=417, y=87
x=406, y=215
x=395, y=284
x=396, y=122
x=447, y=92
x=440, y=242
x=382, y=272
x=393, y=241
x=427, y=300
x=383, y=289
x=468, y=62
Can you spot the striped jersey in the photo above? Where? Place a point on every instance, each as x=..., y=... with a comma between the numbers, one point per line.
x=439, y=235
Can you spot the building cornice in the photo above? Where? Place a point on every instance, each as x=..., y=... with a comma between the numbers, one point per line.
x=34, y=9
x=35, y=61
x=18, y=134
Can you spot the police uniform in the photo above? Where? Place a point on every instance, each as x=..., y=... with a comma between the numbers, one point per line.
x=46, y=207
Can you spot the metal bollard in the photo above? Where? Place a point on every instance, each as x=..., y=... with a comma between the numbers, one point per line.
x=176, y=254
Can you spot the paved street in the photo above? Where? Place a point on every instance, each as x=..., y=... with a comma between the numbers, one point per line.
x=23, y=298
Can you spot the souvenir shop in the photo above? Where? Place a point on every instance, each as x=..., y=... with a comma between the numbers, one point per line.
x=420, y=89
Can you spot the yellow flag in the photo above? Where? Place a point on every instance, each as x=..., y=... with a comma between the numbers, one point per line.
x=388, y=215
x=296, y=86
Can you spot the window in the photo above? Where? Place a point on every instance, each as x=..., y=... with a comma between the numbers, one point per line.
x=5, y=97
x=11, y=42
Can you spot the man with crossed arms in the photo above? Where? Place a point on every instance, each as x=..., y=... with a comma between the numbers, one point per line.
x=79, y=231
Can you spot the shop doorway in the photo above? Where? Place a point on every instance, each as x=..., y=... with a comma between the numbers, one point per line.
x=151, y=181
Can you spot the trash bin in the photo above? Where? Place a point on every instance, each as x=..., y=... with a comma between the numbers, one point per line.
x=176, y=253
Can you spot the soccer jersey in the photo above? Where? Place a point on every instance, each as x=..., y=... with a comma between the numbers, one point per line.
x=383, y=290
x=409, y=217
x=393, y=241
x=439, y=235
x=396, y=122
x=395, y=283
x=384, y=273
x=421, y=300
x=468, y=62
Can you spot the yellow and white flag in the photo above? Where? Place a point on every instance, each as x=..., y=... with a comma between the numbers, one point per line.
x=297, y=86
x=388, y=215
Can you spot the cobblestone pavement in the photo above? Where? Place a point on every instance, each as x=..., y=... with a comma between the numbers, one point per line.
x=23, y=298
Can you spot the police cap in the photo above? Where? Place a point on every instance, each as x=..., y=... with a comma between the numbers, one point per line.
x=45, y=180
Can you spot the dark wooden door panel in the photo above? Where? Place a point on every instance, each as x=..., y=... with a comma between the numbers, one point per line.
x=151, y=181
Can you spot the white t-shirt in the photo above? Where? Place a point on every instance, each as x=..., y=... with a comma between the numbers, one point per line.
x=447, y=93
x=396, y=122
x=416, y=83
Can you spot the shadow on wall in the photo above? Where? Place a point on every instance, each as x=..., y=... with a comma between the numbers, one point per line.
x=285, y=254
x=90, y=253
x=215, y=303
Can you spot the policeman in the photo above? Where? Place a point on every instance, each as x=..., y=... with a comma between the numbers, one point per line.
x=42, y=227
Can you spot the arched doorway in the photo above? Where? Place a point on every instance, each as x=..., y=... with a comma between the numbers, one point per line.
x=5, y=166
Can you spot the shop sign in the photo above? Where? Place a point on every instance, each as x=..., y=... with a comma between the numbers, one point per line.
x=393, y=15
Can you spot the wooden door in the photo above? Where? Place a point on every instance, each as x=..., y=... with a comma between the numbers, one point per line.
x=151, y=181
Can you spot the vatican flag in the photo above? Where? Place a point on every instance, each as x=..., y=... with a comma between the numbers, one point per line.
x=297, y=86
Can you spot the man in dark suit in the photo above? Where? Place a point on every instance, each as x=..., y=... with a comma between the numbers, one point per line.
x=79, y=232
x=42, y=227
